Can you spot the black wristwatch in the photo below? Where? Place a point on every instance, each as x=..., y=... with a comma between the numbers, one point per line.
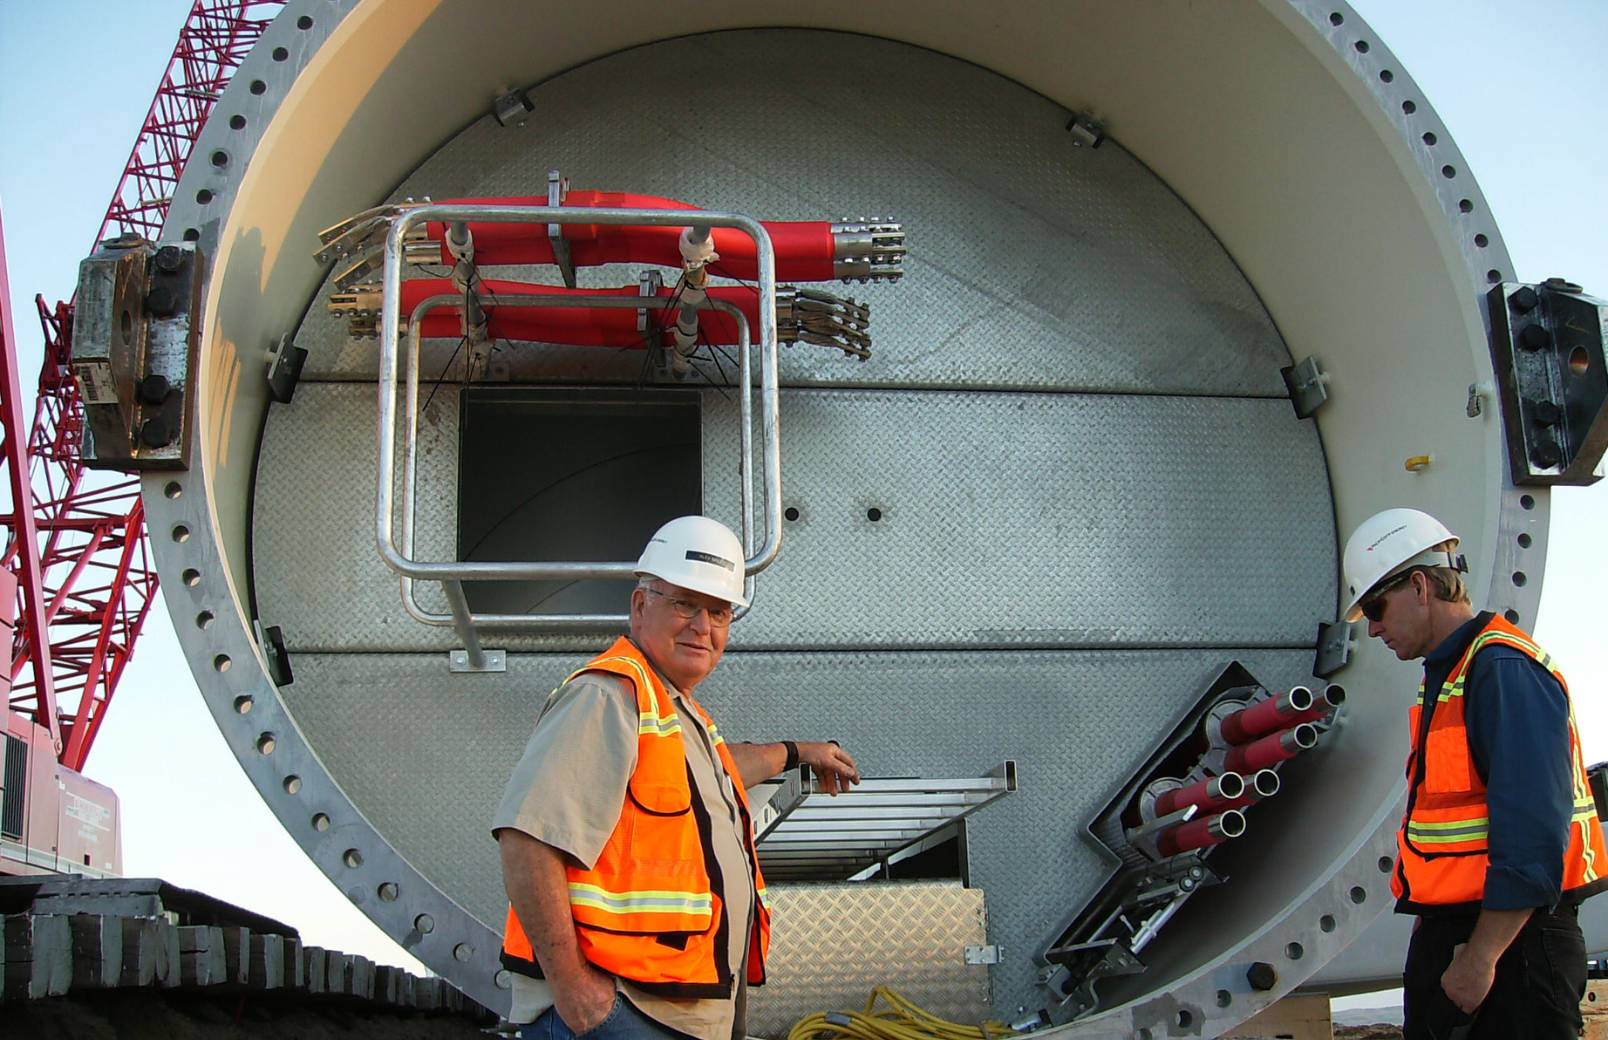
x=792, y=755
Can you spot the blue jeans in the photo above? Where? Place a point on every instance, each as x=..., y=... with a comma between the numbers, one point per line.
x=623, y=1022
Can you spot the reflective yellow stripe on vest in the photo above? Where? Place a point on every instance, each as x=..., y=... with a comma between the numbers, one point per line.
x=1448, y=832
x=645, y=902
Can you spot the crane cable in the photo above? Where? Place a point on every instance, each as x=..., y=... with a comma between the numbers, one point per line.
x=900, y=1020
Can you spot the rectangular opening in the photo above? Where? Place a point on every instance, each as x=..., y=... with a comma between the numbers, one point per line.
x=571, y=474
x=12, y=797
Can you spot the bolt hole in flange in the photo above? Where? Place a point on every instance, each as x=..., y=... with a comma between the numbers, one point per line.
x=1358, y=894
x=352, y=858
x=388, y=892
x=1295, y=951
x=174, y=489
x=1327, y=922
x=424, y=924
x=266, y=744
x=292, y=784
x=1579, y=361
x=244, y=704
x=1224, y=998
x=320, y=821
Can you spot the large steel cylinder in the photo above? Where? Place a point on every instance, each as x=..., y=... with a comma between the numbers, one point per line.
x=1032, y=526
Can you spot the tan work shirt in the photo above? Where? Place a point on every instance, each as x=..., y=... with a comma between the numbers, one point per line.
x=568, y=791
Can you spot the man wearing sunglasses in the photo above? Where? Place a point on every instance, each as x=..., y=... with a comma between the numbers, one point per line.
x=1501, y=841
x=637, y=907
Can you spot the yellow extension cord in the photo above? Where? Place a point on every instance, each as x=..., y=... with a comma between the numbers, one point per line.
x=900, y=1020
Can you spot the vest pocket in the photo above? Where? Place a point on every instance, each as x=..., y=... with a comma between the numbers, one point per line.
x=1448, y=765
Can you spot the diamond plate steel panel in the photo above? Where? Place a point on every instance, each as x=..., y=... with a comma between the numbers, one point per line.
x=1006, y=519
x=1034, y=263
x=915, y=933
x=424, y=754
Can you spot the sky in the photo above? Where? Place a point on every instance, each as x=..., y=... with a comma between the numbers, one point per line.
x=76, y=78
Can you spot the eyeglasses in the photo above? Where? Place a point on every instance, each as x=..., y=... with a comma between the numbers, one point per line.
x=1373, y=608
x=686, y=609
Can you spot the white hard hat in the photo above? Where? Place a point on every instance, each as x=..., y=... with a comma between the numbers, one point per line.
x=1388, y=543
x=697, y=553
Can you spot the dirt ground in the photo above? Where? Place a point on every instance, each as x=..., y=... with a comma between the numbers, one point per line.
x=147, y=1015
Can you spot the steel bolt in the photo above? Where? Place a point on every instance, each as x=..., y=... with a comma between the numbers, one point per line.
x=1545, y=452
x=153, y=389
x=1546, y=412
x=156, y=433
x=169, y=259
x=162, y=301
x=1523, y=300
x=1535, y=337
x=1262, y=976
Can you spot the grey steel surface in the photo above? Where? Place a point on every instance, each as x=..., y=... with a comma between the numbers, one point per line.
x=1070, y=553
x=1033, y=263
x=426, y=754
x=918, y=932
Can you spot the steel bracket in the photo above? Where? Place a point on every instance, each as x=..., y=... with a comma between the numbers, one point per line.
x=135, y=332
x=1085, y=131
x=557, y=192
x=512, y=107
x=1547, y=347
x=1335, y=644
x=284, y=369
x=1308, y=386
x=493, y=661
x=989, y=954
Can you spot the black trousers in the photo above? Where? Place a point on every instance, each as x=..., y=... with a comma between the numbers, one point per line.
x=1540, y=981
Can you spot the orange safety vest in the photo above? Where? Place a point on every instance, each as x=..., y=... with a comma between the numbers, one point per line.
x=1443, y=845
x=647, y=910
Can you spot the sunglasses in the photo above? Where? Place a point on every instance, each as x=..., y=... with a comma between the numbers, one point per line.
x=1373, y=608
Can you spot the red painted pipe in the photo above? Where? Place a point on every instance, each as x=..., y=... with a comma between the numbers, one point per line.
x=805, y=249
x=1267, y=716
x=1211, y=794
x=1332, y=697
x=1271, y=749
x=579, y=325
x=1264, y=783
x=1201, y=833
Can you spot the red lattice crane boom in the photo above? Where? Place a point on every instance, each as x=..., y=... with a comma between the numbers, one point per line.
x=75, y=539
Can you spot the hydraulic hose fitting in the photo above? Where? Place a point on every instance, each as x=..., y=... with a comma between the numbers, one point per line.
x=868, y=250
x=813, y=316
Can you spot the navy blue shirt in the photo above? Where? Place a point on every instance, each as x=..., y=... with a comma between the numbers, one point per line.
x=1517, y=716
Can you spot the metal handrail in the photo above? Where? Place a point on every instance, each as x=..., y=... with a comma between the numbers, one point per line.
x=411, y=369
x=452, y=575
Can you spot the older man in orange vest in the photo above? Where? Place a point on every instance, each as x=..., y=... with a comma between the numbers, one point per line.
x=1501, y=840
x=637, y=907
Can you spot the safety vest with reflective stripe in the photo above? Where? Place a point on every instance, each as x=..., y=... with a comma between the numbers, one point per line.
x=647, y=910
x=1443, y=844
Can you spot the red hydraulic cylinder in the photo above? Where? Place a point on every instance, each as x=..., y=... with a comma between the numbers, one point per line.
x=1201, y=833
x=1271, y=749
x=1210, y=795
x=805, y=249
x=1267, y=716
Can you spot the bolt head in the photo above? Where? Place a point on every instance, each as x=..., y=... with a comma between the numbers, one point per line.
x=1545, y=453
x=169, y=259
x=162, y=301
x=1523, y=300
x=1546, y=412
x=156, y=433
x=1262, y=976
x=1535, y=337
x=153, y=389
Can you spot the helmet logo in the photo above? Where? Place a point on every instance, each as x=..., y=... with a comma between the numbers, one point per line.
x=703, y=557
x=1375, y=543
